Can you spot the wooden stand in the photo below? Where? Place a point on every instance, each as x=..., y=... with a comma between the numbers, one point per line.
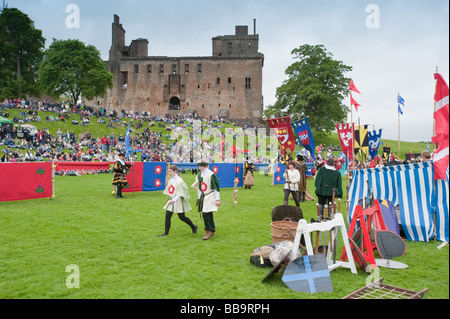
x=304, y=229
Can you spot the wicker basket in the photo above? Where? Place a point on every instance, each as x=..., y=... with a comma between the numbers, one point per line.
x=283, y=230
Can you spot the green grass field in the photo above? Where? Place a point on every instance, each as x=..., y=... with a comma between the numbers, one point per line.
x=114, y=243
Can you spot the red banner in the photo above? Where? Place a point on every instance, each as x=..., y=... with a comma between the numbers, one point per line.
x=22, y=181
x=82, y=167
x=283, y=130
x=346, y=139
x=135, y=178
x=441, y=154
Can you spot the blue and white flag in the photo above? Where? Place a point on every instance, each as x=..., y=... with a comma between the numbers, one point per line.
x=304, y=135
x=401, y=103
x=127, y=142
x=374, y=142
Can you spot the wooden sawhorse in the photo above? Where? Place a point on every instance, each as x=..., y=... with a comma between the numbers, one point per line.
x=304, y=229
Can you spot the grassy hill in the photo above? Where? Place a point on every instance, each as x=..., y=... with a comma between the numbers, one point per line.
x=98, y=130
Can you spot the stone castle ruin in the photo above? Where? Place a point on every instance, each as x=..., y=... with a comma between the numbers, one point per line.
x=227, y=84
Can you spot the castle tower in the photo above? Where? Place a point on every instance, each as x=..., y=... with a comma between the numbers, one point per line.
x=228, y=83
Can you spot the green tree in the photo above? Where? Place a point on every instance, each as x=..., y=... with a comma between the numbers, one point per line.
x=73, y=69
x=21, y=50
x=316, y=87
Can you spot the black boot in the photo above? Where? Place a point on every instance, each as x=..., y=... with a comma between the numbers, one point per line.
x=167, y=224
x=119, y=192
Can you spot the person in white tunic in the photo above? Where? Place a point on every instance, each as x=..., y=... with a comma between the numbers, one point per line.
x=292, y=177
x=178, y=194
x=207, y=185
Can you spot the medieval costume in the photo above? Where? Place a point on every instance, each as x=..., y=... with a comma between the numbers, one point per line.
x=178, y=194
x=327, y=180
x=207, y=185
x=301, y=167
x=249, y=180
x=292, y=177
x=120, y=170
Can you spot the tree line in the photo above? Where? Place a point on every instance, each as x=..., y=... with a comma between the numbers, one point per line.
x=67, y=68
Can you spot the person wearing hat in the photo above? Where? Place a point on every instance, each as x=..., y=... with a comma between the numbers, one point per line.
x=207, y=185
x=120, y=170
x=302, y=168
x=327, y=179
x=178, y=194
x=249, y=180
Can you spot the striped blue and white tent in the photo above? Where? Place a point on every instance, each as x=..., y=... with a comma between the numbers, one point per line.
x=420, y=198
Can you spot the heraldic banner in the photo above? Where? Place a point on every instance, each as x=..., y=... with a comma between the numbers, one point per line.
x=23, y=181
x=283, y=131
x=304, y=135
x=374, y=142
x=346, y=139
x=361, y=142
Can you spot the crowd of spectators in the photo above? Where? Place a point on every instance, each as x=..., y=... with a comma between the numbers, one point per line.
x=147, y=143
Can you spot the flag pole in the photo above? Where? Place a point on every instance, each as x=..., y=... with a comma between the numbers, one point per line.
x=351, y=123
x=398, y=127
x=434, y=110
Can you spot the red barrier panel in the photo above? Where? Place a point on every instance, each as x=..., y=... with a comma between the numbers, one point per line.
x=22, y=181
x=82, y=167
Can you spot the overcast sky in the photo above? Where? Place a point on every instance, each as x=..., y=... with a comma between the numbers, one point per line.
x=394, y=46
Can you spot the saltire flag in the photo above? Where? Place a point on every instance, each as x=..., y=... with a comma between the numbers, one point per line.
x=346, y=138
x=283, y=130
x=361, y=141
x=304, y=135
x=352, y=87
x=374, y=142
x=401, y=104
x=127, y=142
x=441, y=117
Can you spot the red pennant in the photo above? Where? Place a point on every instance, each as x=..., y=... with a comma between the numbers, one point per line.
x=352, y=87
x=353, y=102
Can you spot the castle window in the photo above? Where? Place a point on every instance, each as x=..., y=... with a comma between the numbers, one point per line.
x=136, y=68
x=218, y=81
x=199, y=68
x=247, y=83
x=124, y=76
x=161, y=68
x=186, y=68
x=149, y=68
x=174, y=68
x=229, y=80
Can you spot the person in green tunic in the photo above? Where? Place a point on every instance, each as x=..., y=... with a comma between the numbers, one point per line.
x=178, y=194
x=327, y=179
x=207, y=185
